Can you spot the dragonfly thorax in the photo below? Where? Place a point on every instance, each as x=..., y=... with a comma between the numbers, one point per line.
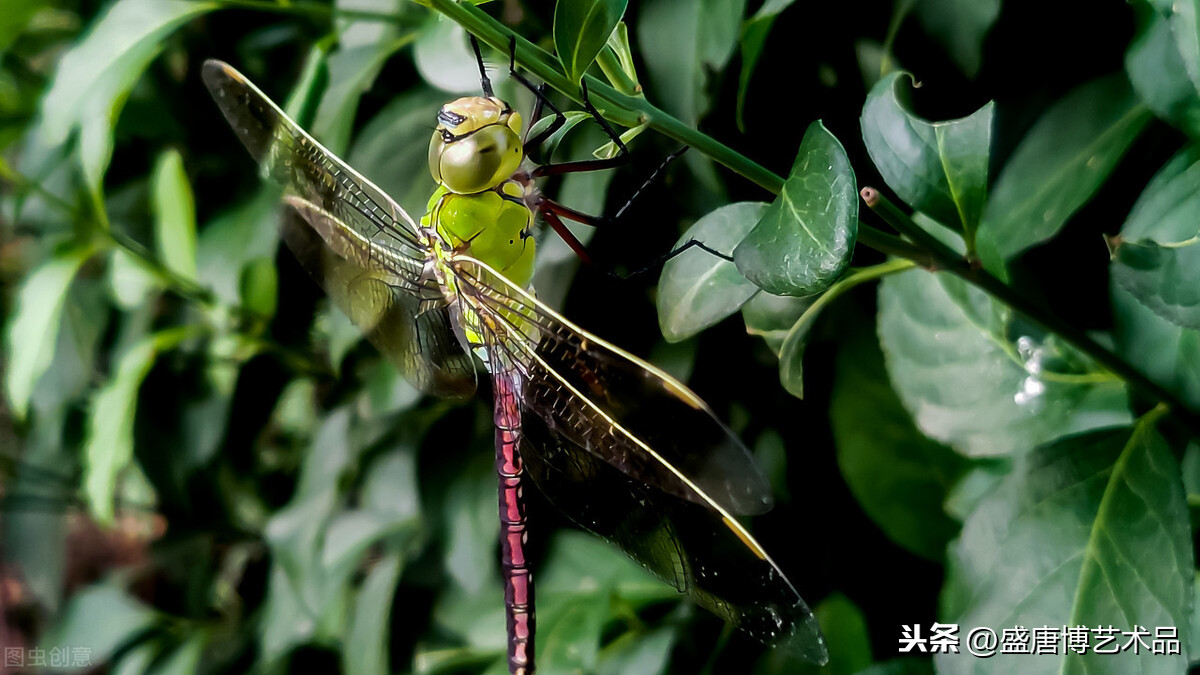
x=476, y=145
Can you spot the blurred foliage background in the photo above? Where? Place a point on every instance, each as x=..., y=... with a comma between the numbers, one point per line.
x=206, y=469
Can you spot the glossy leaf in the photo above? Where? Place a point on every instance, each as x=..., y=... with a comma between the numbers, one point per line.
x=93, y=79
x=966, y=384
x=1165, y=212
x=961, y=28
x=704, y=32
x=1090, y=531
x=804, y=241
x=33, y=329
x=1163, y=277
x=1059, y=165
x=938, y=168
x=1156, y=70
x=109, y=447
x=872, y=429
x=698, y=289
x=581, y=29
x=175, y=216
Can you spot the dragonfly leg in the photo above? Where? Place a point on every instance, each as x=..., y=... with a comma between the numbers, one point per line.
x=484, y=81
x=518, y=579
x=662, y=259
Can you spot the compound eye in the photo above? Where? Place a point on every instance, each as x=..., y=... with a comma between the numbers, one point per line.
x=476, y=162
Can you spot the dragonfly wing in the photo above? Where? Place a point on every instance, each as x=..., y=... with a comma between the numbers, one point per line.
x=362, y=248
x=697, y=550
x=295, y=161
x=614, y=405
x=414, y=334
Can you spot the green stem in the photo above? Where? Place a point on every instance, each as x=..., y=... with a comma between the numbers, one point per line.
x=954, y=263
x=859, y=276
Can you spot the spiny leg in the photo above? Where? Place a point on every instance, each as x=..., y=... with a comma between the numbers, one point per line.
x=484, y=82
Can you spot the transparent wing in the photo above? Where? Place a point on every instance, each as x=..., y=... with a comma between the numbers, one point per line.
x=304, y=168
x=697, y=550
x=611, y=403
x=362, y=280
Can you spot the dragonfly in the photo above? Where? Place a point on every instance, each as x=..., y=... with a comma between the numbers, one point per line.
x=619, y=446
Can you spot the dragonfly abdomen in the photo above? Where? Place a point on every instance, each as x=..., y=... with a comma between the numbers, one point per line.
x=518, y=580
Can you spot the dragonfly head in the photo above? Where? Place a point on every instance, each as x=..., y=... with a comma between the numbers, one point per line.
x=477, y=144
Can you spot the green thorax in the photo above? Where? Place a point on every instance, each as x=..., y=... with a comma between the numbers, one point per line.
x=492, y=226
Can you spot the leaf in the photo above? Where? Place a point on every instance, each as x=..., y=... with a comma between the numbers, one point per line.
x=771, y=317
x=581, y=29
x=175, y=216
x=906, y=501
x=1166, y=211
x=938, y=168
x=1181, y=16
x=102, y=618
x=804, y=241
x=368, y=636
x=698, y=289
x=234, y=238
x=13, y=20
x=95, y=76
x=1059, y=165
x=754, y=37
x=109, y=446
x=1163, y=277
x=648, y=653
x=1090, y=531
x=445, y=60
x=1155, y=69
x=129, y=282
x=845, y=629
x=33, y=329
x=966, y=384
x=961, y=28
x=703, y=34
x=363, y=48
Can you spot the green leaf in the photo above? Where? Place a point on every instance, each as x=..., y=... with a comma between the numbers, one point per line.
x=33, y=329
x=445, y=60
x=581, y=29
x=903, y=666
x=698, y=289
x=1166, y=211
x=871, y=429
x=1059, y=165
x=753, y=39
x=1181, y=16
x=363, y=48
x=1155, y=69
x=771, y=317
x=259, y=288
x=1090, y=531
x=129, y=281
x=703, y=34
x=14, y=18
x=102, y=618
x=938, y=168
x=804, y=241
x=175, y=215
x=368, y=636
x=109, y=447
x=1163, y=277
x=961, y=28
x=638, y=652
x=845, y=629
x=968, y=385
x=95, y=76
x=234, y=238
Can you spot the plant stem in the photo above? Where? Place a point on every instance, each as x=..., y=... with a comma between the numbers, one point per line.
x=927, y=252
x=952, y=262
